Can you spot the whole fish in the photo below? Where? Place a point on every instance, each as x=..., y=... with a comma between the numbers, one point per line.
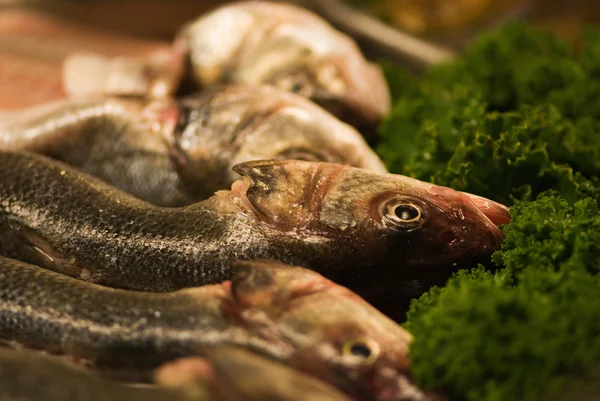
x=222, y=374
x=175, y=152
x=366, y=230
x=288, y=313
x=262, y=42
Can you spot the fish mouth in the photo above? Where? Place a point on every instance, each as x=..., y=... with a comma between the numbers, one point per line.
x=239, y=191
x=401, y=387
x=495, y=212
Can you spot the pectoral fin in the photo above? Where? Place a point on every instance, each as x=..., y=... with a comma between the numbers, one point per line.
x=39, y=251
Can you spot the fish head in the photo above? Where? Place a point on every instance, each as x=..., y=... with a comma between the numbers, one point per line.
x=291, y=48
x=336, y=335
x=371, y=225
x=235, y=373
x=340, y=80
x=212, y=131
x=365, y=98
x=286, y=126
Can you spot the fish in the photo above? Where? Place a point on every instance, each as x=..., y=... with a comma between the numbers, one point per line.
x=234, y=373
x=290, y=47
x=178, y=151
x=262, y=42
x=30, y=376
x=287, y=313
x=369, y=231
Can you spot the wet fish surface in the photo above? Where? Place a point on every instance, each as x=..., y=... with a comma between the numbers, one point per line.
x=369, y=231
x=287, y=313
x=174, y=152
x=227, y=374
x=261, y=42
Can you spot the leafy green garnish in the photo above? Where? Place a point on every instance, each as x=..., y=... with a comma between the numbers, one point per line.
x=517, y=115
x=527, y=331
x=516, y=118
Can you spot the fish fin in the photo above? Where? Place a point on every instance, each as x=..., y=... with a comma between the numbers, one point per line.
x=42, y=253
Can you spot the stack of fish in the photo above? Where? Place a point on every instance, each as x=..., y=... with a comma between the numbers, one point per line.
x=177, y=224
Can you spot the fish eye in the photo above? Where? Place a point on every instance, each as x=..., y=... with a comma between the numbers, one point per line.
x=407, y=212
x=401, y=214
x=363, y=351
x=295, y=82
x=296, y=87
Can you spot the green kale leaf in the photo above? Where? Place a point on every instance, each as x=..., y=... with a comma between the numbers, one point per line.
x=524, y=332
x=517, y=115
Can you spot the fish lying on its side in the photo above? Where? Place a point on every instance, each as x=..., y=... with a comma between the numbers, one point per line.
x=370, y=231
x=222, y=374
x=175, y=152
x=288, y=313
x=261, y=42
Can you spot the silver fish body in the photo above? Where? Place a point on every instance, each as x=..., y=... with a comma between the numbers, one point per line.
x=370, y=231
x=175, y=152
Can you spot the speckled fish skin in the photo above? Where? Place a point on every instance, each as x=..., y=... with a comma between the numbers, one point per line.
x=29, y=376
x=172, y=153
x=112, y=139
x=334, y=219
x=289, y=47
x=288, y=313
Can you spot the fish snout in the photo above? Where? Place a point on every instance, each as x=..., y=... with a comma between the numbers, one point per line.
x=496, y=212
x=466, y=224
x=483, y=218
x=397, y=386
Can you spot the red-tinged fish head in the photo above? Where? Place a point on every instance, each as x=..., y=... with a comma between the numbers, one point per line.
x=357, y=224
x=335, y=335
